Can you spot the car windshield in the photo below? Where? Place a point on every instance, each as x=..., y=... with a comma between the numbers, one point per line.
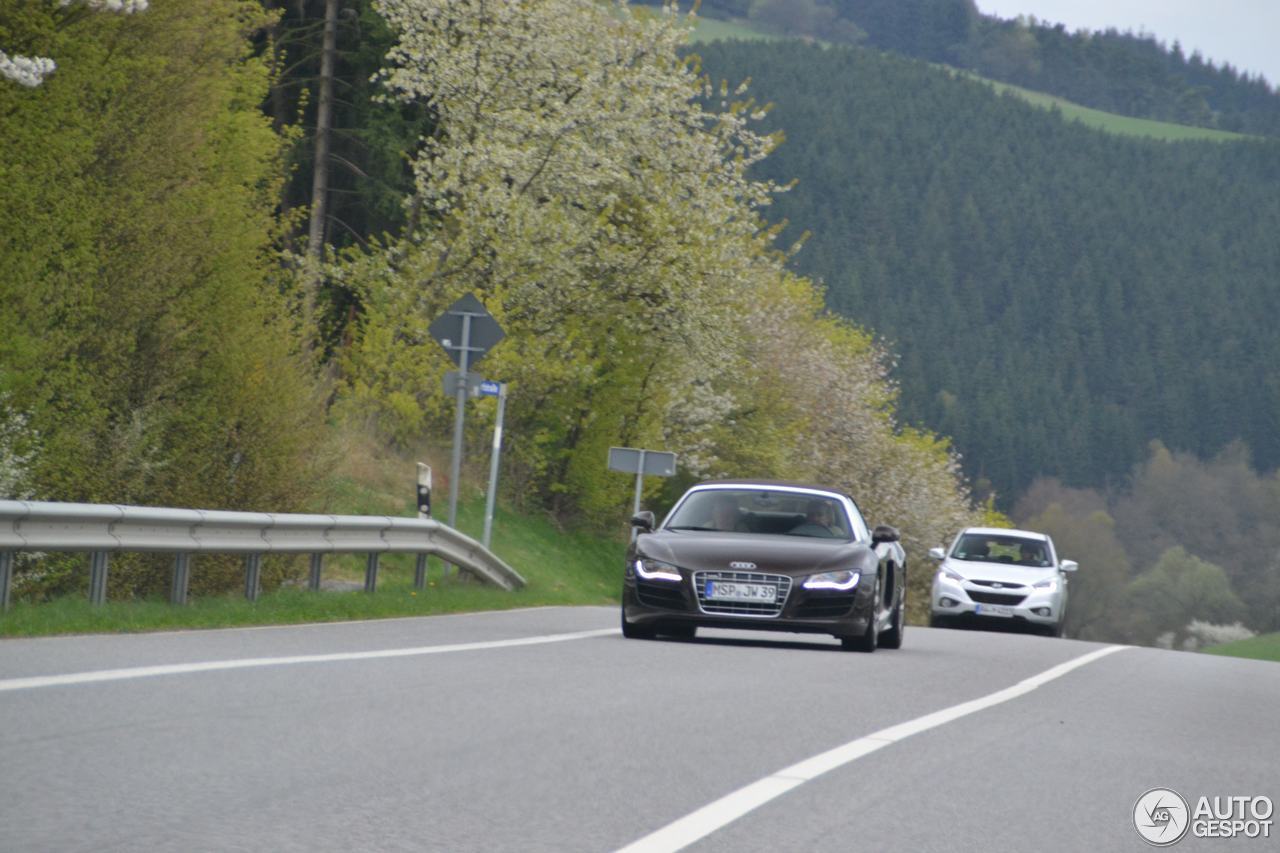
x=762, y=511
x=997, y=548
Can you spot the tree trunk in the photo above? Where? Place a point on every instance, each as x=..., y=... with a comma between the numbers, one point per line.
x=320, y=174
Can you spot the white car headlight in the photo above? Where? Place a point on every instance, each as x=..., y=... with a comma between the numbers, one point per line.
x=843, y=580
x=951, y=576
x=1048, y=585
x=655, y=570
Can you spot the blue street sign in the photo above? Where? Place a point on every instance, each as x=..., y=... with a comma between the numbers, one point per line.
x=489, y=388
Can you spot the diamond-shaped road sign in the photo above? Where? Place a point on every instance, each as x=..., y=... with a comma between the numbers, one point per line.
x=483, y=335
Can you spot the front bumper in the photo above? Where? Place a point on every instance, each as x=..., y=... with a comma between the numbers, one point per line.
x=970, y=602
x=671, y=603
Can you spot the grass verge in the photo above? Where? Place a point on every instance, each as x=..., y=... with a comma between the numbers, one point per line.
x=1264, y=647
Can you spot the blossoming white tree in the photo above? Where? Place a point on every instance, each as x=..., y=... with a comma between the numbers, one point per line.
x=595, y=190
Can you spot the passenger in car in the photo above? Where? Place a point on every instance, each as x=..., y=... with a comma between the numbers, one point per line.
x=725, y=514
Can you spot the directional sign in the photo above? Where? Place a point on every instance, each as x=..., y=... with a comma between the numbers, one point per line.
x=466, y=331
x=489, y=388
x=474, y=381
x=467, y=318
x=656, y=463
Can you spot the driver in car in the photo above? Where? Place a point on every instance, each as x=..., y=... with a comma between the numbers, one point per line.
x=1030, y=555
x=818, y=521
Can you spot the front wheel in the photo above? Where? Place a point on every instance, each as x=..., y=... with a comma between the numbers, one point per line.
x=892, y=638
x=635, y=632
x=870, y=638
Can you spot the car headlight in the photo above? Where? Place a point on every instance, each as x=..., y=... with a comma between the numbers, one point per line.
x=842, y=580
x=655, y=570
x=951, y=576
x=1048, y=584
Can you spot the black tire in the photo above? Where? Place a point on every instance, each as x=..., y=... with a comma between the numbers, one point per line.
x=636, y=632
x=892, y=639
x=936, y=621
x=870, y=638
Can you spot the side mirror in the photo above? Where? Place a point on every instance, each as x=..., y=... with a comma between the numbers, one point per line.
x=644, y=521
x=884, y=533
x=1068, y=566
x=937, y=554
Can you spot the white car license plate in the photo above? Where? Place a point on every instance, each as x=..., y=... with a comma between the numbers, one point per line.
x=992, y=610
x=721, y=591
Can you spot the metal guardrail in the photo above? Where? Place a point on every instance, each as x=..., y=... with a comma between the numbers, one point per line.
x=102, y=529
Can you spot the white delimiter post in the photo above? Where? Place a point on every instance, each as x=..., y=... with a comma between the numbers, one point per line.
x=493, y=465
x=424, y=511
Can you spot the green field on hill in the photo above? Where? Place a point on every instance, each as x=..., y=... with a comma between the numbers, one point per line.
x=1110, y=122
x=711, y=29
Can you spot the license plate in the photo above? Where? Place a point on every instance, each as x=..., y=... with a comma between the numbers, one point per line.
x=992, y=610
x=721, y=591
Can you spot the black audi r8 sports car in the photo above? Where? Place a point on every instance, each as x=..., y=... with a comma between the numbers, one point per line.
x=765, y=555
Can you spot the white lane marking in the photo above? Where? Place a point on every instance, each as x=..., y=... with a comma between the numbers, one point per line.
x=248, y=663
x=727, y=809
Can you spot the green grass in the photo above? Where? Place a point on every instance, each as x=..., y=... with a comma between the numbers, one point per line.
x=1264, y=647
x=559, y=567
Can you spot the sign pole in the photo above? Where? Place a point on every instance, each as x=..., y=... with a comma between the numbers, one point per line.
x=460, y=393
x=639, y=488
x=493, y=465
x=639, y=483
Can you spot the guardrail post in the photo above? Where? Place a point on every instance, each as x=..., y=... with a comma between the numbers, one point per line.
x=420, y=572
x=6, y=578
x=181, y=578
x=98, y=562
x=252, y=576
x=317, y=566
x=371, y=572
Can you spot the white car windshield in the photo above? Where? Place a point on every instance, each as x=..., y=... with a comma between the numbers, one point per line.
x=762, y=511
x=998, y=548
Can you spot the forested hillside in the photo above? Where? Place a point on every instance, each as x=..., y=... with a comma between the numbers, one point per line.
x=1058, y=296
x=1123, y=72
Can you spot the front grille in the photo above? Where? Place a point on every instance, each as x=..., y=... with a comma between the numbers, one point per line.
x=665, y=594
x=781, y=583
x=1005, y=584
x=995, y=597
x=825, y=606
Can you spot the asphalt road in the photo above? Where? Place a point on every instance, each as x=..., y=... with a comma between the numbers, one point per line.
x=432, y=734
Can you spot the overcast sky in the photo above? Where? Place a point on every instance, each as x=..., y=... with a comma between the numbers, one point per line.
x=1245, y=33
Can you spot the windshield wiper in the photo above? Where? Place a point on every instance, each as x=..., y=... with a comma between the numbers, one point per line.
x=693, y=527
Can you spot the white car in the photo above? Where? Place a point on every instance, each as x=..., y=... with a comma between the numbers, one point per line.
x=993, y=574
